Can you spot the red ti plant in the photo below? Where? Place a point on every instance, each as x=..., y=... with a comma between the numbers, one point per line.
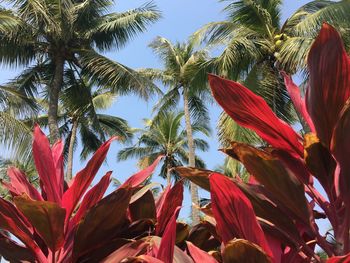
x=273, y=217
x=72, y=223
x=69, y=223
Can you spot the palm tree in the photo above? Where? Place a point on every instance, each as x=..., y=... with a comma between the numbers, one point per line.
x=256, y=46
x=165, y=136
x=183, y=75
x=46, y=36
x=14, y=134
x=80, y=113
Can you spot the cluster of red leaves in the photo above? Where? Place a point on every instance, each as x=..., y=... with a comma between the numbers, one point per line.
x=272, y=218
x=72, y=223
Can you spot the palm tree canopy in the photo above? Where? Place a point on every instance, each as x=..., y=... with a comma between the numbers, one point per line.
x=165, y=136
x=75, y=30
x=182, y=72
x=83, y=102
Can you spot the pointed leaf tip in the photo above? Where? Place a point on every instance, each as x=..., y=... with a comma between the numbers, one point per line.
x=234, y=213
x=251, y=111
x=329, y=81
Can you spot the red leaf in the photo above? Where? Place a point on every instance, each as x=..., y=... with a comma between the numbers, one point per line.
x=131, y=249
x=45, y=165
x=172, y=200
x=46, y=217
x=91, y=198
x=340, y=259
x=14, y=252
x=161, y=199
x=138, y=178
x=251, y=111
x=329, y=88
x=84, y=178
x=298, y=101
x=199, y=255
x=149, y=259
x=57, y=155
x=14, y=222
x=19, y=184
x=166, y=247
x=234, y=213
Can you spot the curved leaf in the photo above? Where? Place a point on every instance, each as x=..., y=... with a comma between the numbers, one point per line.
x=83, y=179
x=102, y=222
x=329, y=67
x=298, y=101
x=234, y=213
x=45, y=165
x=19, y=184
x=46, y=217
x=166, y=247
x=251, y=111
x=199, y=255
x=172, y=200
x=243, y=251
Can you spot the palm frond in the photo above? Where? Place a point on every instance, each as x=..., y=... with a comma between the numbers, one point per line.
x=117, y=29
x=121, y=79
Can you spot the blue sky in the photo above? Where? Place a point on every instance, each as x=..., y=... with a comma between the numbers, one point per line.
x=180, y=19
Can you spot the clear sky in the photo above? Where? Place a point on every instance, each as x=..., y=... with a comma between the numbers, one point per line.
x=180, y=19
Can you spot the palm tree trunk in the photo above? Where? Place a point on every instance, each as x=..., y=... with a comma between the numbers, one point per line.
x=168, y=173
x=191, y=159
x=70, y=150
x=54, y=92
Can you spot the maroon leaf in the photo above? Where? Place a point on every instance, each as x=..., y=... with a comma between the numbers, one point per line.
x=251, y=111
x=340, y=146
x=19, y=184
x=84, y=178
x=172, y=200
x=166, y=247
x=234, y=213
x=199, y=255
x=45, y=165
x=298, y=101
x=102, y=222
x=275, y=177
x=138, y=178
x=195, y=175
x=46, y=217
x=320, y=162
x=14, y=252
x=14, y=222
x=91, y=198
x=143, y=207
x=329, y=88
x=243, y=251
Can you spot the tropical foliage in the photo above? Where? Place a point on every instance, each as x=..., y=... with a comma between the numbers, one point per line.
x=183, y=75
x=165, y=136
x=257, y=44
x=46, y=37
x=285, y=172
x=267, y=200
